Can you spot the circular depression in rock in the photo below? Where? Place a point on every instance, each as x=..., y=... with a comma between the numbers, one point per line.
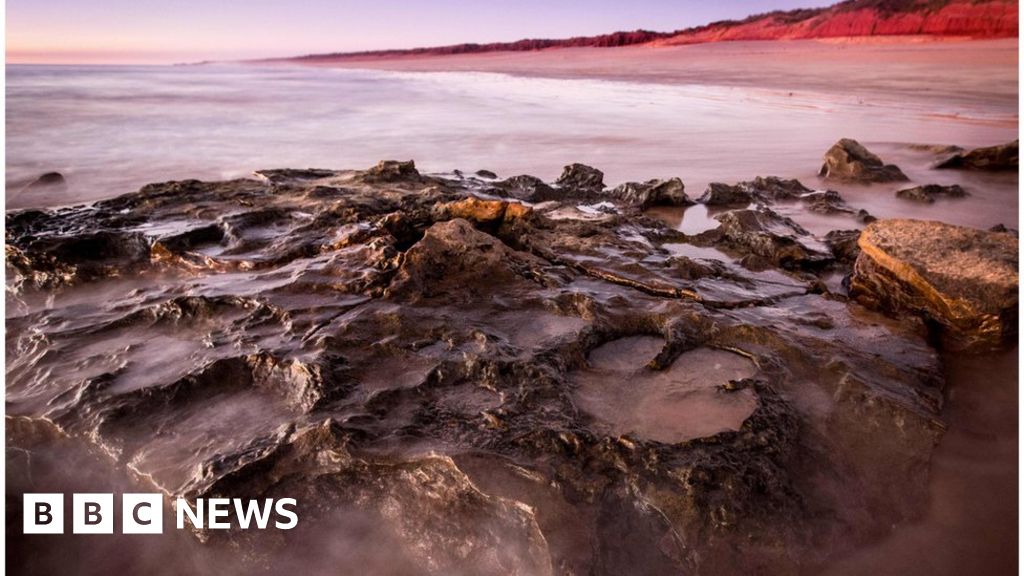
x=680, y=403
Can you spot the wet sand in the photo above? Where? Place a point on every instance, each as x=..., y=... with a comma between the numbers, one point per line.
x=982, y=72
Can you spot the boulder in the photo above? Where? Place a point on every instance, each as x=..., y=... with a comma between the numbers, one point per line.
x=962, y=279
x=771, y=189
x=719, y=194
x=456, y=261
x=526, y=188
x=1003, y=228
x=991, y=158
x=929, y=192
x=768, y=235
x=775, y=188
x=669, y=192
x=826, y=202
x=581, y=177
x=392, y=171
x=847, y=160
x=50, y=180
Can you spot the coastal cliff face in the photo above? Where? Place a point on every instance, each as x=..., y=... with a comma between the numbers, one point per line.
x=957, y=18
x=982, y=19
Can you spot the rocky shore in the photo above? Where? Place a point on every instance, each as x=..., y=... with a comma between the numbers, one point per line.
x=505, y=375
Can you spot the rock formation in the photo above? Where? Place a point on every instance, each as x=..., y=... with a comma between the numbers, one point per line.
x=719, y=194
x=652, y=193
x=992, y=158
x=848, y=161
x=49, y=180
x=963, y=279
x=477, y=384
x=581, y=177
x=929, y=192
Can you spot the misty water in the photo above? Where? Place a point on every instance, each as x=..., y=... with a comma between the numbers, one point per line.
x=111, y=130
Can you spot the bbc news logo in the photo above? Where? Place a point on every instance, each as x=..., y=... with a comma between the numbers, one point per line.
x=144, y=513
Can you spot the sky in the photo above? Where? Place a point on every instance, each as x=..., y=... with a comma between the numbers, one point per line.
x=169, y=31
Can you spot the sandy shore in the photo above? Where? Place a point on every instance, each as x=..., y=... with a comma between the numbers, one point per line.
x=985, y=70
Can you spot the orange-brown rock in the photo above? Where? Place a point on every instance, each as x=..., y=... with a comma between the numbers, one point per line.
x=483, y=211
x=962, y=279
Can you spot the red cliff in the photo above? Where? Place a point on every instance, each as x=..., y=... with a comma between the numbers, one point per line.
x=852, y=18
x=954, y=18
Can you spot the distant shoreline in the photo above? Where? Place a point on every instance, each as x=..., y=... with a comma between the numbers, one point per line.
x=848, y=20
x=797, y=67
x=427, y=54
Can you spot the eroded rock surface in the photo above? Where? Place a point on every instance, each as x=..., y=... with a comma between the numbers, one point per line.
x=1003, y=157
x=483, y=376
x=962, y=278
x=849, y=161
x=928, y=193
x=581, y=177
x=644, y=195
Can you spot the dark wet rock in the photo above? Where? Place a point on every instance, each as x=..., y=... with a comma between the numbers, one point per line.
x=766, y=189
x=777, y=189
x=644, y=195
x=864, y=217
x=826, y=202
x=487, y=174
x=581, y=184
x=392, y=171
x=844, y=244
x=928, y=193
x=28, y=222
x=48, y=181
x=719, y=194
x=992, y=158
x=53, y=261
x=937, y=149
x=194, y=238
x=771, y=190
x=581, y=177
x=766, y=234
x=455, y=259
x=285, y=175
x=963, y=279
x=527, y=188
x=847, y=160
x=407, y=358
x=1003, y=228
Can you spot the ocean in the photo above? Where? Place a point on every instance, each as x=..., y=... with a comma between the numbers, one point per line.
x=111, y=129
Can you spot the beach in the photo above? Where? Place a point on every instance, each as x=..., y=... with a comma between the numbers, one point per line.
x=258, y=292
x=881, y=70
